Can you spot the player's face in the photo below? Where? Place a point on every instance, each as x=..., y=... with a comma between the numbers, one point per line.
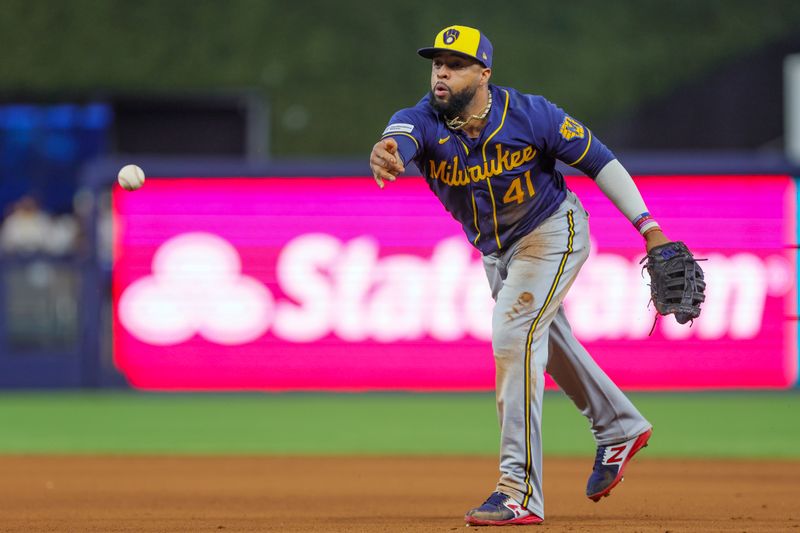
x=454, y=81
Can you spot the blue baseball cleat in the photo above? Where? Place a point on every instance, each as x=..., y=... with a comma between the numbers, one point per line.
x=501, y=510
x=610, y=463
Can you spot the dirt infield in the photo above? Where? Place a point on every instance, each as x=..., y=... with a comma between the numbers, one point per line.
x=378, y=494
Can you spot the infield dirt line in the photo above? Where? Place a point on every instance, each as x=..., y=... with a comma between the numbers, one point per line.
x=377, y=494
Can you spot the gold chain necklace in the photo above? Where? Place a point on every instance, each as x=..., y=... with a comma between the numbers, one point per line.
x=457, y=123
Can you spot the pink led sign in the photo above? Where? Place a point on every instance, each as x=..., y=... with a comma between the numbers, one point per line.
x=333, y=284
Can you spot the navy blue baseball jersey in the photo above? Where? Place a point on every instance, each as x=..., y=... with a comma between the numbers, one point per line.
x=503, y=184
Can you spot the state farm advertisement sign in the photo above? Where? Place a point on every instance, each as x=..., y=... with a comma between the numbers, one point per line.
x=333, y=284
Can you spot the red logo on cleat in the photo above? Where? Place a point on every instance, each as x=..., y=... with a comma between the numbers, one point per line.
x=616, y=458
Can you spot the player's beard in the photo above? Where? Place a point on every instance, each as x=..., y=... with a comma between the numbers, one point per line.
x=456, y=104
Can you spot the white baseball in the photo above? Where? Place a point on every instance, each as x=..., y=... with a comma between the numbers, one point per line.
x=131, y=177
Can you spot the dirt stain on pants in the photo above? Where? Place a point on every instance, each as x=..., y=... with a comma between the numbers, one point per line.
x=523, y=304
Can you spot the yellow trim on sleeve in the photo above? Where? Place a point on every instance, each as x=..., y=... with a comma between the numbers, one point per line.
x=588, y=144
x=400, y=133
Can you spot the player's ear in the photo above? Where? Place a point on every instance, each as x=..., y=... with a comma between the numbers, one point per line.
x=486, y=75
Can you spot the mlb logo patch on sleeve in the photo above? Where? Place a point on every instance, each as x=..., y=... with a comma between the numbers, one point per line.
x=571, y=129
x=398, y=128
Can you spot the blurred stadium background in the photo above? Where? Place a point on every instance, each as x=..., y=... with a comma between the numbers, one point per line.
x=253, y=121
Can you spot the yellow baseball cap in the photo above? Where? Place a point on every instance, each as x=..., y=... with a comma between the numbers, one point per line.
x=462, y=40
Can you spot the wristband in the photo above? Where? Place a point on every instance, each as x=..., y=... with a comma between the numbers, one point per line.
x=644, y=223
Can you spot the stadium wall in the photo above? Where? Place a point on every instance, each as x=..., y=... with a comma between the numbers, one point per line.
x=351, y=288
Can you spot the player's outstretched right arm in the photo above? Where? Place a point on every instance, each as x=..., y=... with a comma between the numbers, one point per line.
x=385, y=161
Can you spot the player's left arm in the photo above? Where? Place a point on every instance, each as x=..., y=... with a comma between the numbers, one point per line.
x=571, y=141
x=618, y=185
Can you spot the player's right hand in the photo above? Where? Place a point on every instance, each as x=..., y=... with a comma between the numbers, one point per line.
x=385, y=161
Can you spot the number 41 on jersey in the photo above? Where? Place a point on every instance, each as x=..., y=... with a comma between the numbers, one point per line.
x=515, y=193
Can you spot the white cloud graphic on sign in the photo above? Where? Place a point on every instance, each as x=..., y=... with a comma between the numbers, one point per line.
x=196, y=288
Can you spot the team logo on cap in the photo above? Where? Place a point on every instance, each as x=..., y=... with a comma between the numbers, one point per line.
x=450, y=36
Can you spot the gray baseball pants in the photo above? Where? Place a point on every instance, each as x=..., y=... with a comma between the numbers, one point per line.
x=531, y=335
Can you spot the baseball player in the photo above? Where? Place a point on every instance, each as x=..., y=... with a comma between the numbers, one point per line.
x=489, y=154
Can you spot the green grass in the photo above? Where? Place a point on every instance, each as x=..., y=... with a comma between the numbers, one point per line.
x=686, y=425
